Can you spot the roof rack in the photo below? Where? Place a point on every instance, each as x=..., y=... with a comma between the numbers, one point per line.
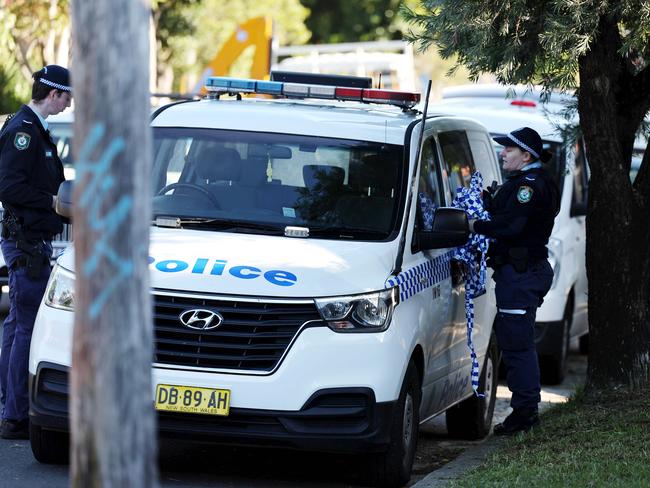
x=330, y=87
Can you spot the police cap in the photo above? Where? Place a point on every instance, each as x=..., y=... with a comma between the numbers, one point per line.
x=55, y=76
x=526, y=139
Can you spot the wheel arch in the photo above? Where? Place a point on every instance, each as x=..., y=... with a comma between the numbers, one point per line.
x=417, y=356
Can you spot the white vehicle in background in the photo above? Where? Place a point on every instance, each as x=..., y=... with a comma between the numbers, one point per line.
x=390, y=61
x=563, y=315
x=307, y=306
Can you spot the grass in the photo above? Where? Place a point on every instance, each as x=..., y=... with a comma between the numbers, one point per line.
x=580, y=444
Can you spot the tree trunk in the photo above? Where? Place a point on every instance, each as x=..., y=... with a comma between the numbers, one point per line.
x=112, y=418
x=618, y=223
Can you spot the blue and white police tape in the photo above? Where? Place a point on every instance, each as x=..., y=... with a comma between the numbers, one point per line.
x=473, y=255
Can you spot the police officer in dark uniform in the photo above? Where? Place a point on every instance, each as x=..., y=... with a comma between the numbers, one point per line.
x=30, y=175
x=522, y=213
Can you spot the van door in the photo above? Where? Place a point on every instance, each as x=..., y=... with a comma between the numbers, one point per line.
x=433, y=303
x=458, y=166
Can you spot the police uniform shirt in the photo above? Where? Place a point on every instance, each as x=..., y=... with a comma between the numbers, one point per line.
x=522, y=213
x=30, y=174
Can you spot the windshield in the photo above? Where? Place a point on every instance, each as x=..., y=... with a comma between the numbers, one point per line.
x=260, y=182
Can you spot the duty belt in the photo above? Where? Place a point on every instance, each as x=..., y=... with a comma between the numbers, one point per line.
x=22, y=262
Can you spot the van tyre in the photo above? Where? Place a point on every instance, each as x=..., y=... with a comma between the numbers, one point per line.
x=48, y=446
x=472, y=418
x=553, y=366
x=392, y=468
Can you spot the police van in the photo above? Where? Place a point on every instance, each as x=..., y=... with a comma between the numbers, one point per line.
x=300, y=300
x=563, y=315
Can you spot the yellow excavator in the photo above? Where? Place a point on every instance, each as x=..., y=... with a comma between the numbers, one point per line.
x=257, y=32
x=392, y=60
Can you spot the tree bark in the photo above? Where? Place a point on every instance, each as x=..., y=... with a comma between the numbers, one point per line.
x=112, y=418
x=618, y=223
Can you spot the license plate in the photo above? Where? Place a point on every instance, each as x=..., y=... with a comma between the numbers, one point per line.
x=190, y=399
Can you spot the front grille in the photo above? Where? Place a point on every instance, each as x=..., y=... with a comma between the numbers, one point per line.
x=253, y=336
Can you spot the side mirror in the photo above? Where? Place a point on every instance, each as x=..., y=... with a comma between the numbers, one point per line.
x=64, y=199
x=450, y=229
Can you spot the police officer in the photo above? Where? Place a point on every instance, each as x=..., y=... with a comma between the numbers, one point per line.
x=30, y=175
x=522, y=212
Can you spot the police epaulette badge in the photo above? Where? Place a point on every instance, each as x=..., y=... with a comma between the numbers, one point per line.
x=21, y=141
x=524, y=194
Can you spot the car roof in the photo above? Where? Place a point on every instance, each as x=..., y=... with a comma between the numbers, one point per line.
x=321, y=118
x=503, y=120
x=507, y=93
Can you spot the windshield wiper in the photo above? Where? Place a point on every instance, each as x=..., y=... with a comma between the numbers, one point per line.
x=228, y=225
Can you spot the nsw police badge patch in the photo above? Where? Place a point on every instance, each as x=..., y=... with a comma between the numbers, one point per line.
x=21, y=141
x=524, y=194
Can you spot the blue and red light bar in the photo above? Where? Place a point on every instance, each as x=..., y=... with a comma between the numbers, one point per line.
x=219, y=84
x=523, y=103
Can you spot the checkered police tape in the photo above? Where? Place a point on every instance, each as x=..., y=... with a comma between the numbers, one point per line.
x=413, y=280
x=473, y=255
x=416, y=279
x=58, y=86
x=521, y=143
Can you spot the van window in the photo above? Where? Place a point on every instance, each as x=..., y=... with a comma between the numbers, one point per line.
x=482, y=149
x=429, y=196
x=457, y=163
x=338, y=188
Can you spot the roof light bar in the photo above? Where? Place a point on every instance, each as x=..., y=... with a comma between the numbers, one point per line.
x=230, y=85
x=405, y=99
x=353, y=94
x=219, y=84
x=523, y=103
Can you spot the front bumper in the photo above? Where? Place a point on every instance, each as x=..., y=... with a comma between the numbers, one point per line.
x=331, y=420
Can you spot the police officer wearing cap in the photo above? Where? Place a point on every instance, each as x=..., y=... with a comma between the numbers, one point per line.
x=30, y=175
x=522, y=213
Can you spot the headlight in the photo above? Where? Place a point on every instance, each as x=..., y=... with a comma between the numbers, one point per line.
x=555, y=258
x=359, y=313
x=60, y=289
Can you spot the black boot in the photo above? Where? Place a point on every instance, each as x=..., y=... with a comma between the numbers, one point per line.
x=517, y=421
x=15, y=429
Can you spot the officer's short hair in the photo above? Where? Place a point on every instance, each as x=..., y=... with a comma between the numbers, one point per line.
x=48, y=78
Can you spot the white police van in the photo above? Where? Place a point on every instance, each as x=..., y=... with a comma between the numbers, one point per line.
x=298, y=301
x=563, y=315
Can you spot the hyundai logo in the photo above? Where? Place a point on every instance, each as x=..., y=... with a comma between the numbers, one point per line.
x=201, y=319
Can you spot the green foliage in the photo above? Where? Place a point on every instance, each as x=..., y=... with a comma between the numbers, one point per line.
x=345, y=21
x=525, y=41
x=31, y=35
x=9, y=102
x=211, y=22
